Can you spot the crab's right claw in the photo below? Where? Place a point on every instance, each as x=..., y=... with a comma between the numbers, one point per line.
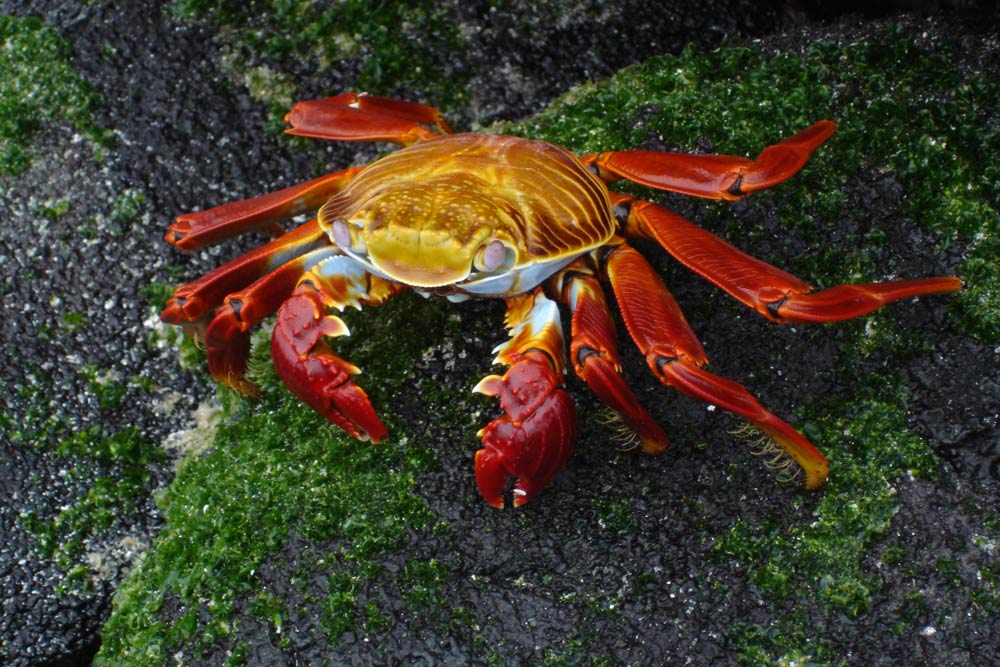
x=310, y=369
x=533, y=441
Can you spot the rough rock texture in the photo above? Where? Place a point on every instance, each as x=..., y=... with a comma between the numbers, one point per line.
x=186, y=136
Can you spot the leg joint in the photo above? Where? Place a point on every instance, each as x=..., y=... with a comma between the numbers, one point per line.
x=773, y=308
x=622, y=210
x=736, y=189
x=662, y=360
x=584, y=353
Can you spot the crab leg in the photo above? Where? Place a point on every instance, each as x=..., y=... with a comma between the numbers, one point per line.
x=227, y=336
x=534, y=439
x=712, y=176
x=305, y=362
x=673, y=353
x=594, y=354
x=346, y=117
x=194, y=300
x=363, y=117
x=194, y=230
x=778, y=296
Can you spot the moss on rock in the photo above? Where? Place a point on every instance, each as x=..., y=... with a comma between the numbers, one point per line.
x=37, y=84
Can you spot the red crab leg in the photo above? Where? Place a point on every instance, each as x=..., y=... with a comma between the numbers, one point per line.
x=194, y=300
x=194, y=230
x=713, y=176
x=534, y=439
x=778, y=296
x=227, y=336
x=594, y=354
x=353, y=117
x=418, y=113
x=305, y=362
x=656, y=324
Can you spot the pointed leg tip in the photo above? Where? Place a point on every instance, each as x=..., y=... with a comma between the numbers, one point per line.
x=816, y=478
x=243, y=386
x=521, y=497
x=491, y=477
x=173, y=312
x=810, y=461
x=654, y=447
x=179, y=232
x=607, y=383
x=823, y=129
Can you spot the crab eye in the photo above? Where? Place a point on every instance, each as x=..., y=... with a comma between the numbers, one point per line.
x=493, y=256
x=343, y=235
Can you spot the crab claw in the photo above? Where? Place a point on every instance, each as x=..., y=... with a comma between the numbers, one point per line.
x=534, y=440
x=310, y=369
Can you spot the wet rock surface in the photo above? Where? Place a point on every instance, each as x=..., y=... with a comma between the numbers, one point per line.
x=185, y=137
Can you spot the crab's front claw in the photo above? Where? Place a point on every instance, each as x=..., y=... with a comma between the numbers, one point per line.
x=534, y=439
x=310, y=369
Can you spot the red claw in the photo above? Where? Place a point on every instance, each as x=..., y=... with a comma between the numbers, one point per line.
x=534, y=440
x=311, y=370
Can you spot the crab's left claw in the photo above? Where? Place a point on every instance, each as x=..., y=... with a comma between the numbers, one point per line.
x=525, y=448
x=310, y=369
x=533, y=440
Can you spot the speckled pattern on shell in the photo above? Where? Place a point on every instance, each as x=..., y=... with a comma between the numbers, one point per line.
x=557, y=207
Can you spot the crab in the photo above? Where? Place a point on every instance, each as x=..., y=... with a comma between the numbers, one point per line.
x=470, y=215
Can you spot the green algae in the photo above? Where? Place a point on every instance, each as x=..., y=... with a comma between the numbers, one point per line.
x=394, y=43
x=616, y=514
x=270, y=473
x=115, y=466
x=127, y=206
x=276, y=469
x=576, y=653
x=822, y=559
x=37, y=85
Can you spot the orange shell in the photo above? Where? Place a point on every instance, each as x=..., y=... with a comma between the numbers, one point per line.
x=553, y=206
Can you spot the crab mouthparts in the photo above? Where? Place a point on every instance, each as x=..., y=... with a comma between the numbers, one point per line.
x=430, y=274
x=421, y=259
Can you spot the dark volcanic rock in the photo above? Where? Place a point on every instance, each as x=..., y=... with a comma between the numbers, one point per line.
x=186, y=137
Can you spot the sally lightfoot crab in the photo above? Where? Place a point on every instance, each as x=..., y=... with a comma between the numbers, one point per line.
x=475, y=215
